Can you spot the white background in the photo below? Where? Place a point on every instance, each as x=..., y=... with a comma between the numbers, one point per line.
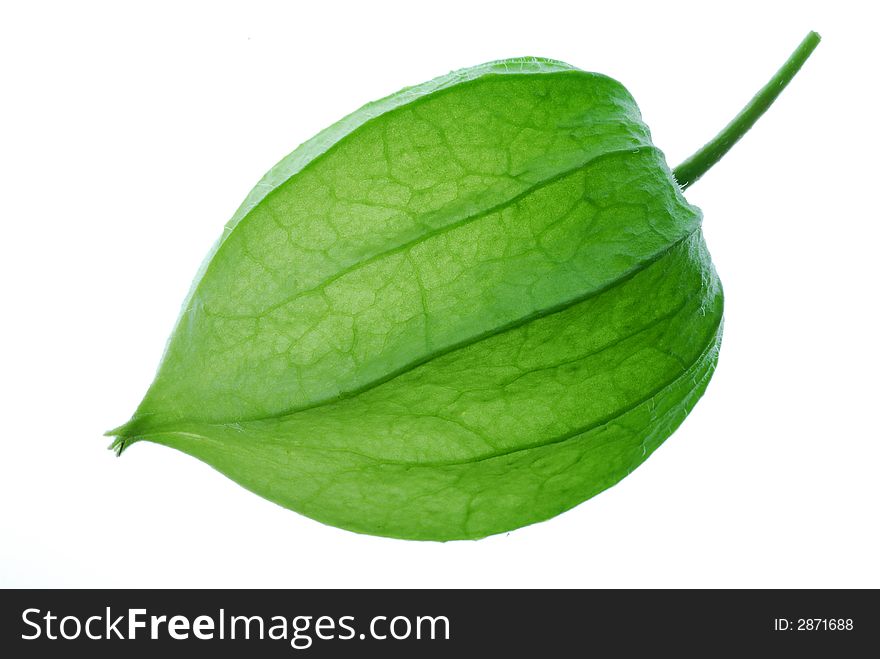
x=130, y=133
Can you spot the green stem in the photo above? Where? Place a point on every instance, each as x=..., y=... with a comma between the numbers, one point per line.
x=699, y=163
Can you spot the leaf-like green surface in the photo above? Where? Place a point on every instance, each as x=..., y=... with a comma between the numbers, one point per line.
x=462, y=309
